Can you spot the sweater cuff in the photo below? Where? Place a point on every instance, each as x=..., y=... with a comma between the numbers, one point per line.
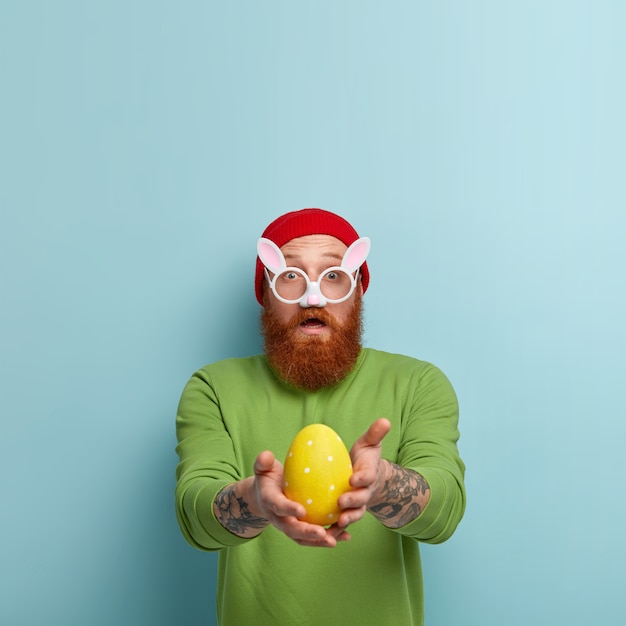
x=433, y=519
x=208, y=533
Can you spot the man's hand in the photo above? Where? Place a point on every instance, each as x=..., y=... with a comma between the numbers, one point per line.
x=247, y=507
x=393, y=494
x=284, y=513
x=367, y=473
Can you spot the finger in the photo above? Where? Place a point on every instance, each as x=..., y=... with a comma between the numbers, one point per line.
x=376, y=432
x=282, y=506
x=339, y=533
x=373, y=437
x=308, y=534
x=350, y=516
x=354, y=499
x=264, y=462
x=365, y=476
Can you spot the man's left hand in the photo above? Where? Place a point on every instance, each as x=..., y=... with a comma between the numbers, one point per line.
x=367, y=473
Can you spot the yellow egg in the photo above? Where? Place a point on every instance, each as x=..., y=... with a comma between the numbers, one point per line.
x=317, y=471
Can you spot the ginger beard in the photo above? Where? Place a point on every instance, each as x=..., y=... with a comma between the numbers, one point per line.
x=311, y=361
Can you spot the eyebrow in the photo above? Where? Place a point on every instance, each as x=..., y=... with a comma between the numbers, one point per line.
x=325, y=255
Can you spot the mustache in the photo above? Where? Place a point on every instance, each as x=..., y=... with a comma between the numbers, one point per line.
x=320, y=314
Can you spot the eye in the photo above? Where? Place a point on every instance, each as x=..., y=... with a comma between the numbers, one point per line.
x=291, y=276
x=331, y=275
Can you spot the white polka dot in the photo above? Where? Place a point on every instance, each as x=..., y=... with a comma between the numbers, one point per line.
x=332, y=487
x=309, y=442
x=331, y=515
x=290, y=453
x=330, y=458
x=307, y=470
x=309, y=501
x=286, y=484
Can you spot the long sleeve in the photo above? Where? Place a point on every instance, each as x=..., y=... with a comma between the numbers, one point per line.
x=207, y=464
x=429, y=447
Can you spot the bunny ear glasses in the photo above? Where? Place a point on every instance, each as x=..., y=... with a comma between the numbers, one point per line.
x=292, y=285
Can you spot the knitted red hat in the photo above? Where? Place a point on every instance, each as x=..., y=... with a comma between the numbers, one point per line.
x=307, y=222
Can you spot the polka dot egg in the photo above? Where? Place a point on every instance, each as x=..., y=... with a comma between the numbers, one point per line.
x=317, y=471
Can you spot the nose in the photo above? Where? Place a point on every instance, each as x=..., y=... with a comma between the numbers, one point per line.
x=313, y=297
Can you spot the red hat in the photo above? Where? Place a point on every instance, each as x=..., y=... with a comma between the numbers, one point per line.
x=307, y=222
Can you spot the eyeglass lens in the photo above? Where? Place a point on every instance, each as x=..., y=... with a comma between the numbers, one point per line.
x=292, y=284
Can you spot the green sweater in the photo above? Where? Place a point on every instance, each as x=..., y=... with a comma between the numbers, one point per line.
x=232, y=410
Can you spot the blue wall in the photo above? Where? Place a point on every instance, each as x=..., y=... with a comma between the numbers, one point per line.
x=143, y=148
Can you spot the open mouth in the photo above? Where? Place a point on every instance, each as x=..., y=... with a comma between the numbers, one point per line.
x=312, y=322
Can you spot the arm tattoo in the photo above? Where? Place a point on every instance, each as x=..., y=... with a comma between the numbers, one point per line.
x=403, y=496
x=233, y=513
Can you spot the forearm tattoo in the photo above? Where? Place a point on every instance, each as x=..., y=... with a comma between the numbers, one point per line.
x=234, y=514
x=404, y=494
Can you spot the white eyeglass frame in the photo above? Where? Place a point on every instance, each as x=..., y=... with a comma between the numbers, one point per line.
x=273, y=260
x=312, y=287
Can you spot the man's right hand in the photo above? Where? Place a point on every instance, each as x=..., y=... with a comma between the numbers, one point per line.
x=246, y=508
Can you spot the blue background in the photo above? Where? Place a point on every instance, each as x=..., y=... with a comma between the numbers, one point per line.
x=145, y=145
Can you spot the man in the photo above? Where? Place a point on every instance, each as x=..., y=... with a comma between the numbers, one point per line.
x=237, y=418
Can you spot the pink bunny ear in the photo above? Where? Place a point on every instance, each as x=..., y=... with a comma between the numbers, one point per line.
x=356, y=254
x=270, y=255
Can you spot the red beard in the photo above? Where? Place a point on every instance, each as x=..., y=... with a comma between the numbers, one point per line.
x=311, y=361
